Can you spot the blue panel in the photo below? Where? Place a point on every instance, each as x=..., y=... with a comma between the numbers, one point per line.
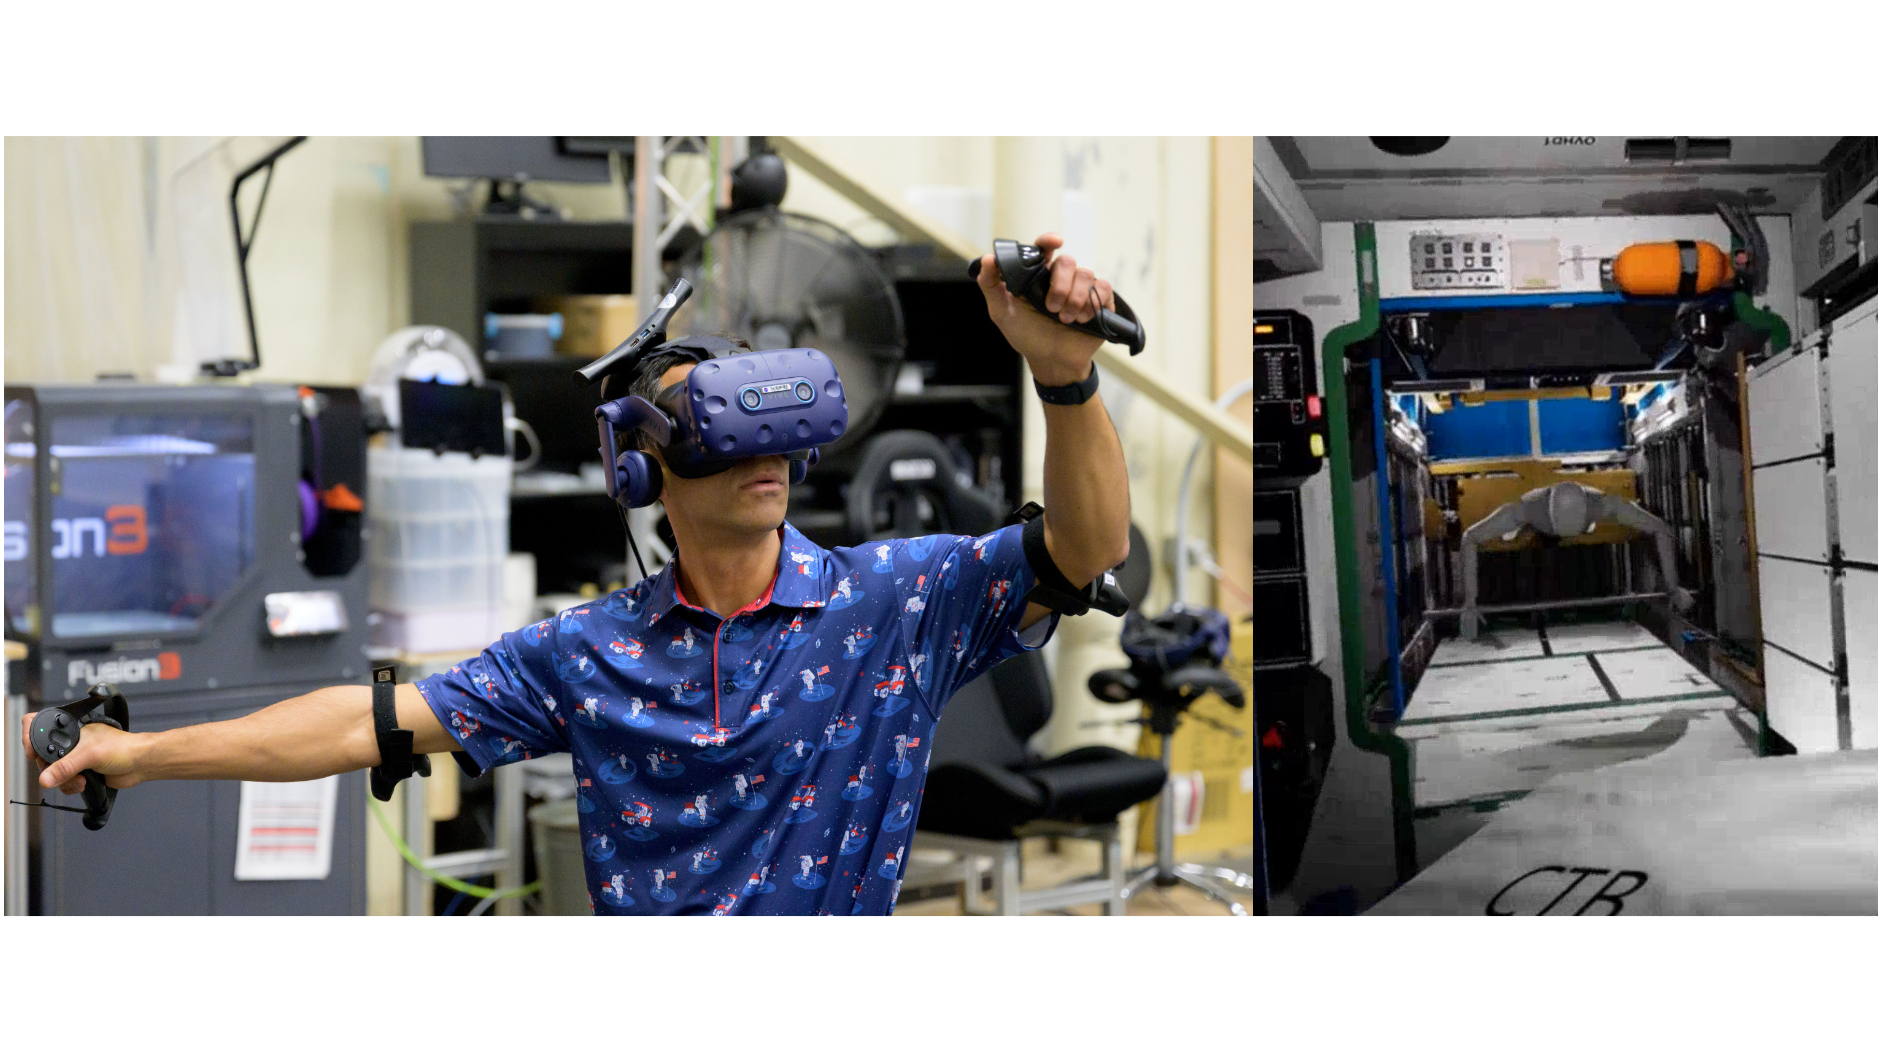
x=1569, y=426
x=1500, y=429
x=1461, y=303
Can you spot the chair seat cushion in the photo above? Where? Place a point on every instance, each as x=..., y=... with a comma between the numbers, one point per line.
x=1086, y=785
x=1095, y=784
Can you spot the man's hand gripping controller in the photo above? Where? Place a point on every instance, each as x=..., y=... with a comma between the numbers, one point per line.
x=56, y=731
x=1023, y=268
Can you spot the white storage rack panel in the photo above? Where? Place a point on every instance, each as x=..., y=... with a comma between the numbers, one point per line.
x=1792, y=497
x=1860, y=589
x=1796, y=605
x=1801, y=702
x=1851, y=365
x=1784, y=411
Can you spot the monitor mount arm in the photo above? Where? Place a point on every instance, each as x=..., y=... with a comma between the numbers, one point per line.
x=266, y=165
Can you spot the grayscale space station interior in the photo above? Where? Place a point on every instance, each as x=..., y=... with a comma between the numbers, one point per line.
x=1565, y=552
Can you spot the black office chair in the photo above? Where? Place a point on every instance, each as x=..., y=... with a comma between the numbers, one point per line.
x=984, y=782
x=987, y=790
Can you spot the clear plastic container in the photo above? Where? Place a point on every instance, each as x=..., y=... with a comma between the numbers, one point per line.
x=439, y=532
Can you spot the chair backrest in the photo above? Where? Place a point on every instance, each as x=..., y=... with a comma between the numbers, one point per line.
x=991, y=718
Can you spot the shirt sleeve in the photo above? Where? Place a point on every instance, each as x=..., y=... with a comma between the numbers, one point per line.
x=962, y=610
x=499, y=704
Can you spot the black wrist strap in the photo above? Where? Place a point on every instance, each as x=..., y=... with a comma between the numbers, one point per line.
x=1070, y=394
x=396, y=760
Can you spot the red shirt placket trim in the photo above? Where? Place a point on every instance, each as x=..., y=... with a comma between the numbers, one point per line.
x=764, y=599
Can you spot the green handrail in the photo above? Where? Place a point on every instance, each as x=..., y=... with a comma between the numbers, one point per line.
x=1778, y=335
x=1347, y=571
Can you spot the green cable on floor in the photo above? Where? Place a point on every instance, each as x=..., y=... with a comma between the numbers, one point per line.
x=447, y=881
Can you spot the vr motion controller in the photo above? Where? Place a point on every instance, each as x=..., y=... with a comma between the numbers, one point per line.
x=1024, y=269
x=56, y=731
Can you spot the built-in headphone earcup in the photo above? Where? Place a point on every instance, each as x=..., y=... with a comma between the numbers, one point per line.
x=637, y=480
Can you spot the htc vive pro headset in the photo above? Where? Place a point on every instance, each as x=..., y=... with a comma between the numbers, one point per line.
x=733, y=405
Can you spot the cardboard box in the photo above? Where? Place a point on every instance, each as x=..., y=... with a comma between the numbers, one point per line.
x=1214, y=770
x=594, y=325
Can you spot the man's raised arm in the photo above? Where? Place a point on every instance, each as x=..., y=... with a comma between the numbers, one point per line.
x=1088, y=502
x=310, y=736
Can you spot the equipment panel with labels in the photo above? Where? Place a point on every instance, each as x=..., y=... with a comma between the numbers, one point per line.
x=1291, y=431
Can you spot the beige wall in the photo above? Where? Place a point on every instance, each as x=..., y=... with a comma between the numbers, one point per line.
x=96, y=278
x=119, y=255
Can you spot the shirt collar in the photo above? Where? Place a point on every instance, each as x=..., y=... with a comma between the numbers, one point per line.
x=800, y=583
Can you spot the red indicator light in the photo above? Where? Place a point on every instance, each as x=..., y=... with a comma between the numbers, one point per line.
x=1314, y=407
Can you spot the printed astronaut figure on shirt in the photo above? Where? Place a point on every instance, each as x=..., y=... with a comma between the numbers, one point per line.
x=615, y=893
x=757, y=883
x=899, y=817
x=661, y=765
x=902, y=766
x=815, y=691
x=746, y=792
x=687, y=692
x=854, y=837
x=858, y=641
x=683, y=646
x=883, y=564
x=591, y=711
x=1563, y=510
x=807, y=878
x=660, y=891
x=845, y=596
x=915, y=603
x=791, y=758
x=696, y=815
x=858, y=788
x=891, y=862
x=705, y=862
x=805, y=562
x=750, y=672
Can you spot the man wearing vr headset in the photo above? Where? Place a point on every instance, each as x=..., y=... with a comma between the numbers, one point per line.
x=758, y=672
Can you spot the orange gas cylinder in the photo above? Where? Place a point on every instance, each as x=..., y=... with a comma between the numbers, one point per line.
x=1671, y=269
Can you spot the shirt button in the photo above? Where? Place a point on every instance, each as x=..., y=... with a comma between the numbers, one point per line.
x=727, y=686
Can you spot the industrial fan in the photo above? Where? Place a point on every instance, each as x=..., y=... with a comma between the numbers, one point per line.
x=781, y=280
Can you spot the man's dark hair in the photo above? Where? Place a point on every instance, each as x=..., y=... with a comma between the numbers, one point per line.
x=647, y=380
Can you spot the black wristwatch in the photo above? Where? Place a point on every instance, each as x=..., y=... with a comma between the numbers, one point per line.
x=1070, y=394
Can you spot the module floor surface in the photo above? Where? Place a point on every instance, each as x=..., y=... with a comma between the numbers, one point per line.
x=1495, y=718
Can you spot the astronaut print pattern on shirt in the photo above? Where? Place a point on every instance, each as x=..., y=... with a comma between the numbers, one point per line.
x=769, y=763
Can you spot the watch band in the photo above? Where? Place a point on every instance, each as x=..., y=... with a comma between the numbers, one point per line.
x=1069, y=394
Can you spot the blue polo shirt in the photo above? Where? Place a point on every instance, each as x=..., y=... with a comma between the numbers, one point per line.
x=767, y=763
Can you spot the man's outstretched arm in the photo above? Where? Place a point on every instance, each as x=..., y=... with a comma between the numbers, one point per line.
x=310, y=736
x=1629, y=514
x=1504, y=520
x=1088, y=502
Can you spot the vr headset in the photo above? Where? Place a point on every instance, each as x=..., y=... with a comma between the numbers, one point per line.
x=733, y=405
